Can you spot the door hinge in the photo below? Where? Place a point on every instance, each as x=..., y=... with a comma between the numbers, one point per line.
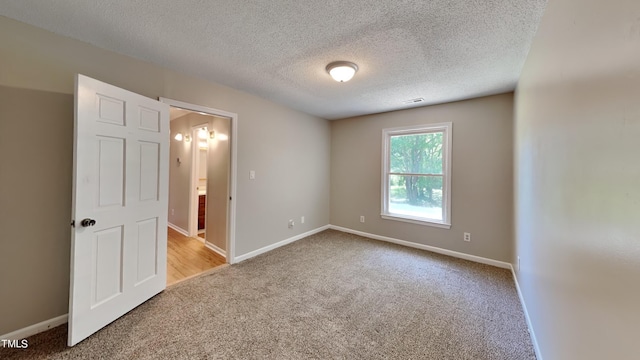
x=73, y=223
x=229, y=198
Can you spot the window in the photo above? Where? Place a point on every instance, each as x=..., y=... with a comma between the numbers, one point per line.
x=416, y=179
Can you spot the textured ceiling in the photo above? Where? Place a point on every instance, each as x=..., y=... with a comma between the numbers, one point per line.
x=439, y=50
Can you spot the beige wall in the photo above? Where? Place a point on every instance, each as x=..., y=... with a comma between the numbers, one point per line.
x=179, y=173
x=218, y=167
x=35, y=205
x=288, y=150
x=481, y=175
x=577, y=208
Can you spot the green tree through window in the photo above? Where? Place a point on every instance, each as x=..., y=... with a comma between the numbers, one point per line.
x=418, y=154
x=416, y=173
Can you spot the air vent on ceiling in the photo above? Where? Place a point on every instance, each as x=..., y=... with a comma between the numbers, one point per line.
x=413, y=101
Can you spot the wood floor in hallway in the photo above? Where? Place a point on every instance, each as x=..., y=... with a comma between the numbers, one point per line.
x=187, y=257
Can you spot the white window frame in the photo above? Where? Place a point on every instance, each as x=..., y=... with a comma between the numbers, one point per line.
x=447, y=130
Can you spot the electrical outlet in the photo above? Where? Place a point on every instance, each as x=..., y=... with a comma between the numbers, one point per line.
x=252, y=175
x=173, y=211
x=291, y=224
x=518, y=263
x=467, y=236
x=302, y=220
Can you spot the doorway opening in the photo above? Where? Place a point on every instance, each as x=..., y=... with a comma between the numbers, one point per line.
x=199, y=164
x=201, y=214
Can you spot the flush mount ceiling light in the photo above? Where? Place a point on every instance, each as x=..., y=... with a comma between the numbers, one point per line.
x=342, y=71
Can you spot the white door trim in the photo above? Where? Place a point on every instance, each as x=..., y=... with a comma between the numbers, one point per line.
x=193, y=193
x=231, y=228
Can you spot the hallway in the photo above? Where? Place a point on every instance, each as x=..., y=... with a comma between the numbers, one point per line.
x=187, y=257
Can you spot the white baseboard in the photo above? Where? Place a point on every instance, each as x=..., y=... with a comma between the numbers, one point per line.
x=532, y=333
x=35, y=329
x=178, y=229
x=279, y=244
x=478, y=259
x=215, y=249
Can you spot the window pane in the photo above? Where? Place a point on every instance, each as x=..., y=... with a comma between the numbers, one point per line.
x=417, y=153
x=419, y=196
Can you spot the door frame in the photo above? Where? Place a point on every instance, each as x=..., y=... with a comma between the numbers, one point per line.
x=233, y=138
x=193, y=193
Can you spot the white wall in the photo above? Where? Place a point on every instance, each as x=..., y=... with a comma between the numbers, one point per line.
x=202, y=168
x=288, y=150
x=577, y=207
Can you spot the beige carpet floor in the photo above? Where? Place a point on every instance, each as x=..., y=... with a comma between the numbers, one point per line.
x=329, y=296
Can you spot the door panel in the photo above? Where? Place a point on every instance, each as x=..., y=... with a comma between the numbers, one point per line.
x=106, y=281
x=111, y=169
x=149, y=170
x=149, y=120
x=147, y=245
x=121, y=178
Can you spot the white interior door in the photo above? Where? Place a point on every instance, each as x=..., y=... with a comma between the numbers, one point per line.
x=120, y=199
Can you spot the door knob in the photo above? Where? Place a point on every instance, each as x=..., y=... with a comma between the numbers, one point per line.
x=87, y=222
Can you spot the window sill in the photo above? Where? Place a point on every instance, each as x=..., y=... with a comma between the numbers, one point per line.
x=416, y=221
